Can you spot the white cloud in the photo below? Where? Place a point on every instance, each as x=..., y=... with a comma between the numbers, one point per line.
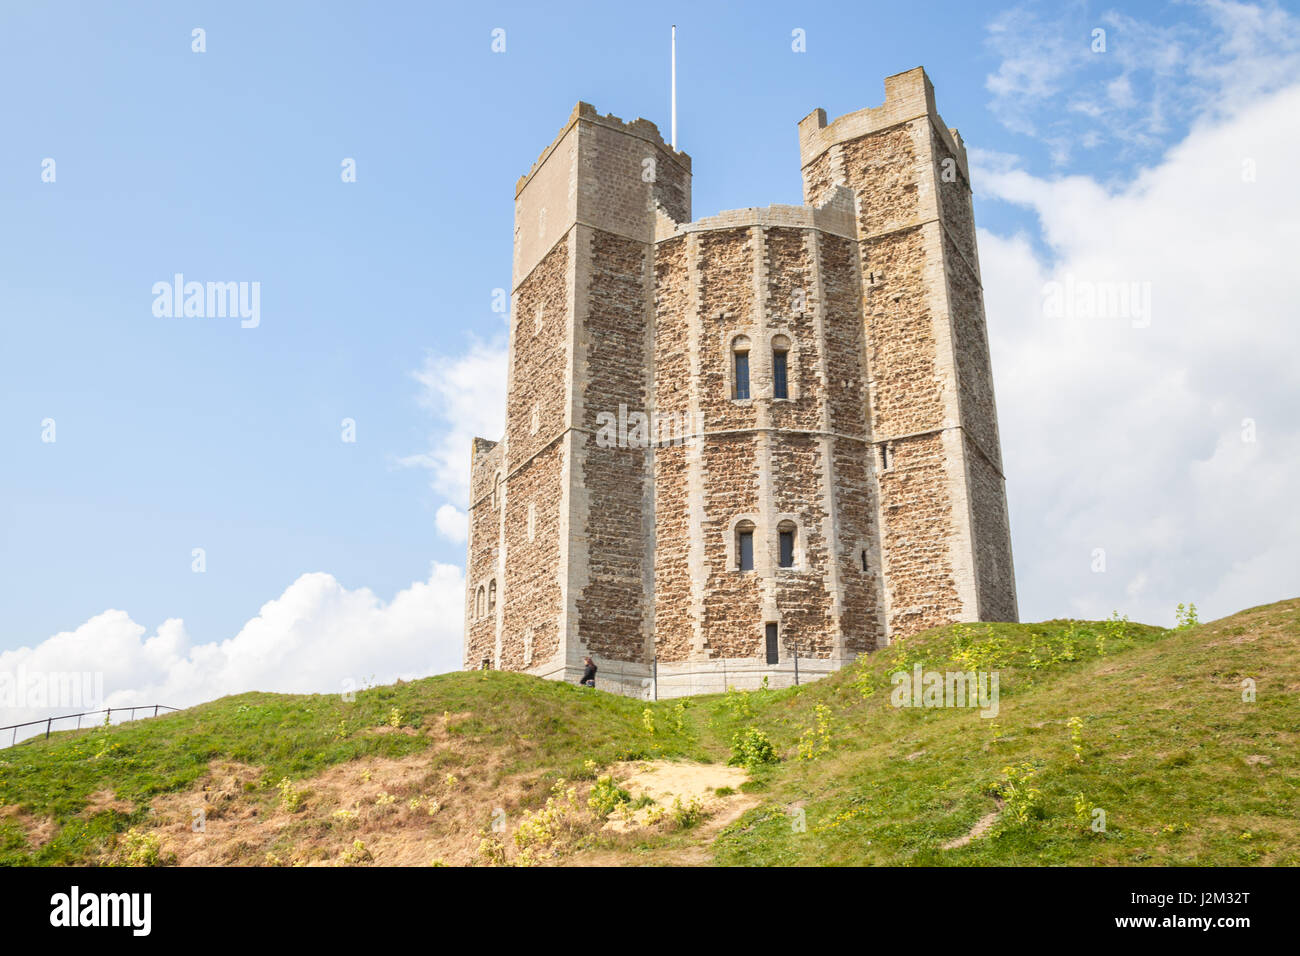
x=452, y=523
x=1055, y=82
x=1129, y=438
x=466, y=394
x=313, y=638
x=317, y=634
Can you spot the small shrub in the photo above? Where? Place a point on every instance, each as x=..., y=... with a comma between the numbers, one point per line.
x=1115, y=629
x=737, y=702
x=606, y=796
x=491, y=850
x=816, y=740
x=751, y=749
x=686, y=815
x=135, y=848
x=1022, y=800
x=545, y=833
x=357, y=855
x=1186, y=616
x=1083, y=811
x=679, y=715
x=1076, y=737
x=291, y=799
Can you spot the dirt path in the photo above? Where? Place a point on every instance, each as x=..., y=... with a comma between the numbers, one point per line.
x=981, y=827
x=664, y=782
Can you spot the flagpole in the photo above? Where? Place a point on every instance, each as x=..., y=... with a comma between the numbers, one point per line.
x=674, y=86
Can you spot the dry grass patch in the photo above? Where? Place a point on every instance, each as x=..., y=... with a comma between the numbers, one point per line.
x=37, y=830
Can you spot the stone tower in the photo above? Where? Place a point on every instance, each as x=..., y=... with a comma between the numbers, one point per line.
x=746, y=444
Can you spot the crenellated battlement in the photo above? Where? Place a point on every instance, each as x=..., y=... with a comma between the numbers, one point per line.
x=908, y=96
x=835, y=216
x=584, y=112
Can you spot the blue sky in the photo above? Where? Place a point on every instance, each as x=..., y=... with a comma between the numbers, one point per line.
x=183, y=433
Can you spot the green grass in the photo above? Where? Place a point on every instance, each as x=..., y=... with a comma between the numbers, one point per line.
x=530, y=724
x=1186, y=772
x=1169, y=751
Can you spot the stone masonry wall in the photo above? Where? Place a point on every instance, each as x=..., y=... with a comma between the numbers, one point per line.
x=920, y=579
x=955, y=201
x=974, y=371
x=995, y=576
x=802, y=597
x=615, y=372
x=726, y=304
x=536, y=403
x=789, y=272
x=733, y=625
x=907, y=378
x=532, y=574
x=481, y=567
x=855, y=508
x=535, y=423
x=674, y=623
x=851, y=454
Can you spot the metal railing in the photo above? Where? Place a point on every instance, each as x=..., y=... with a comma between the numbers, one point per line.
x=49, y=721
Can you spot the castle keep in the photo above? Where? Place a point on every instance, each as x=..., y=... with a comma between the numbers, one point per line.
x=737, y=440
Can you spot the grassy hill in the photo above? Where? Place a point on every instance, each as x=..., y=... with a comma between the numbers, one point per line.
x=1147, y=726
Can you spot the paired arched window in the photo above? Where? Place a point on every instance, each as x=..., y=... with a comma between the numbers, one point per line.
x=741, y=386
x=492, y=596
x=741, y=552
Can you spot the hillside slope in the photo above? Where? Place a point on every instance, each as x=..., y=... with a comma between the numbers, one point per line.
x=1145, y=725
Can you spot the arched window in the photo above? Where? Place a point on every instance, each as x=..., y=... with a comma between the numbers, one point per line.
x=480, y=602
x=864, y=560
x=780, y=371
x=745, y=546
x=740, y=367
x=785, y=549
x=492, y=595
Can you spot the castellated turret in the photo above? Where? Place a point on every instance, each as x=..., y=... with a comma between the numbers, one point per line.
x=747, y=446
